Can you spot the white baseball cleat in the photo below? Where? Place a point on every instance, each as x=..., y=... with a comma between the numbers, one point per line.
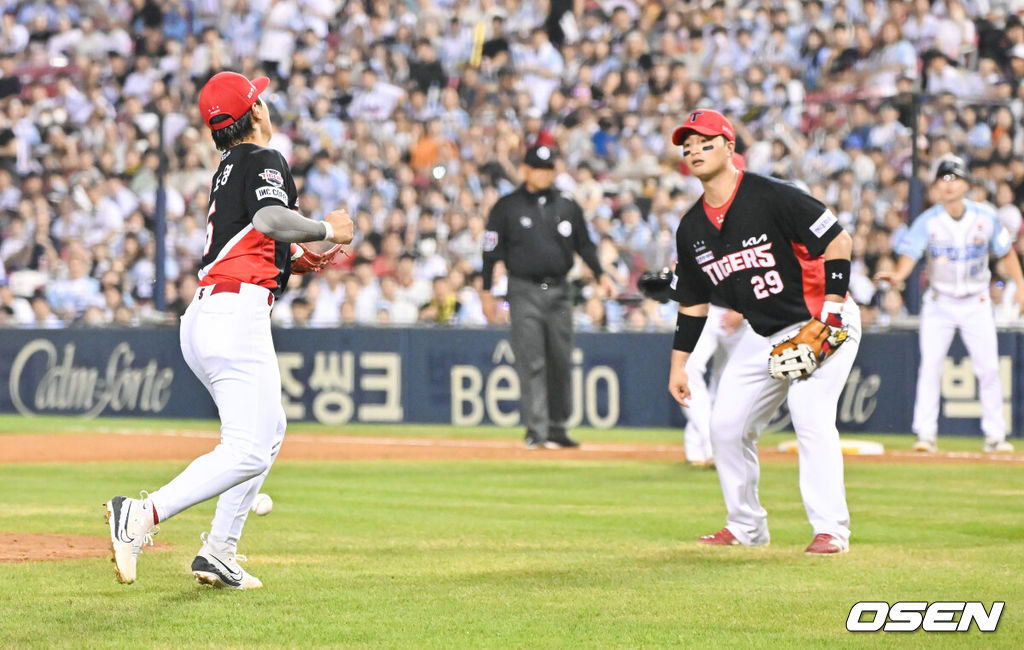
x=1003, y=447
x=217, y=565
x=131, y=527
x=926, y=446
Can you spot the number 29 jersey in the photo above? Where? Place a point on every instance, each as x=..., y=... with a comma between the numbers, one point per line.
x=249, y=177
x=765, y=262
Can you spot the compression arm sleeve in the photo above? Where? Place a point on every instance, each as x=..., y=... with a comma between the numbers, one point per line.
x=282, y=224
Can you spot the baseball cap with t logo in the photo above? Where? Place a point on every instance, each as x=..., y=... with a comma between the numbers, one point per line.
x=227, y=96
x=705, y=122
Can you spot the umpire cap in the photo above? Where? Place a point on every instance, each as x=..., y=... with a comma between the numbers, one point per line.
x=952, y=165
x=540, y=156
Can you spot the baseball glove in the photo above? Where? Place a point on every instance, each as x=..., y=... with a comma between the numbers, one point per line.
x=656, y=285
x=799, y=356
x=306, y=261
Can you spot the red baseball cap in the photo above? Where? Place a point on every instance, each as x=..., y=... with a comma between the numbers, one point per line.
x=705, y=122
x=231, y=95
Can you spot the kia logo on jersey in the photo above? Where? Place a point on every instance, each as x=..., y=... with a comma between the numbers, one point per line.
x=758, y=257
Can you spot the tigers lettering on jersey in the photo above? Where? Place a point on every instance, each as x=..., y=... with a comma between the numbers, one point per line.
x=756, y=257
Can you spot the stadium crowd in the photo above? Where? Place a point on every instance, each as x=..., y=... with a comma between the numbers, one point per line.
x=415, y=114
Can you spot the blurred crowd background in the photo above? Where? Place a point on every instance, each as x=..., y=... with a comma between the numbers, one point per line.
x=415, y=114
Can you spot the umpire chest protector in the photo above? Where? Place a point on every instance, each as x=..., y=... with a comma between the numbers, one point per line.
x=765, y=262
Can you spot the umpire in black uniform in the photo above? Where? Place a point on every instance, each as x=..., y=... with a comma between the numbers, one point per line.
x=535, y=230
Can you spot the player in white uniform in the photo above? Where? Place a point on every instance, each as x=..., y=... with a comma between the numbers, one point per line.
x=721, y=334
x=225, y=333
x=958, y=235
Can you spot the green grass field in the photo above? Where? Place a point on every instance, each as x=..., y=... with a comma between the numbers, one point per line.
x=482, y=554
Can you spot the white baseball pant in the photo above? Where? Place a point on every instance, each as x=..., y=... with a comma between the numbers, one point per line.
x=736, y=425
x=941, y=317
x=225, y=338
x=714, y=346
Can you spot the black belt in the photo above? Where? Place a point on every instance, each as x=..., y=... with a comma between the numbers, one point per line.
x=549, y=280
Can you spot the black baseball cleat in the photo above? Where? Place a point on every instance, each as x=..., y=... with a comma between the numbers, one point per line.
x=216, y=565
x=533, y=442
x=561, y=442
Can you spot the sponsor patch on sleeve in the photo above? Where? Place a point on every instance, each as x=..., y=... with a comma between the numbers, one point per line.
x=267, y=192
x=490, y=240
x=824, y=222
x=272, y=177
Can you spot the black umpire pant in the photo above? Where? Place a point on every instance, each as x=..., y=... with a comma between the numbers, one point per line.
x=541, y=315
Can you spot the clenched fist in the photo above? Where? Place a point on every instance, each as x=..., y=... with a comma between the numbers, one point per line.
x=341, y=223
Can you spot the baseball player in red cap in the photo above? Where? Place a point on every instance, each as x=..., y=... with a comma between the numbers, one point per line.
x=225, y=333
x=779, y=257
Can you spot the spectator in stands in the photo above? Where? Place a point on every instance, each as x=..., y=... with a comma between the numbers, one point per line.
x=401, y=113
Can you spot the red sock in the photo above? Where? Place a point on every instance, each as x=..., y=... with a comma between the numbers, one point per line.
x=156, y=518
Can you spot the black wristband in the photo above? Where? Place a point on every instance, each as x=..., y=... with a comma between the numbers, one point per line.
x=688, y=329
x=837, y=277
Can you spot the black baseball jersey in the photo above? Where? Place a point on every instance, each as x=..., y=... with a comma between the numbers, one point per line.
x=535, y=234
x=766, y=260
x=249, y=177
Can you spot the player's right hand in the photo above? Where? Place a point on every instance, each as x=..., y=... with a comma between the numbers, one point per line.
x=679, y=385
x=344, y=227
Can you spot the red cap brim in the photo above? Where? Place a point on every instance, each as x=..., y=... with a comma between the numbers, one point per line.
x=261, y=84
x=679, y=135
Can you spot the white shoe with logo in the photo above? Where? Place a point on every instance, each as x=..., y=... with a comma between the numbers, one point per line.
x=217, y=565
x=131, y=527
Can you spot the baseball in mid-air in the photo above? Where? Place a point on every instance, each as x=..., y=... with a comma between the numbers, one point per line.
x=262, y=504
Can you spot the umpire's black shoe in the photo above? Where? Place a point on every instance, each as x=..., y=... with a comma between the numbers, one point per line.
x=561, y=442
x=533, y=442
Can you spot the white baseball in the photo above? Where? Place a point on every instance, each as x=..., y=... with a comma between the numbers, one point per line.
x=262, y=504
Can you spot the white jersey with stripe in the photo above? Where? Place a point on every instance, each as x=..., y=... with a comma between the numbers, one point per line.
x=958, y=249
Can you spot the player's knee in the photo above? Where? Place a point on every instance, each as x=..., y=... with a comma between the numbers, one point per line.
x=726, y=427
x=254, y=462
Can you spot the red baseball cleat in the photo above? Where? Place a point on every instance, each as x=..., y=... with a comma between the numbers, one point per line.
x=825, y=544
x=723, y=537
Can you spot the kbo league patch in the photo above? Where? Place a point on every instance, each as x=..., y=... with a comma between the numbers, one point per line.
x=272, y=177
